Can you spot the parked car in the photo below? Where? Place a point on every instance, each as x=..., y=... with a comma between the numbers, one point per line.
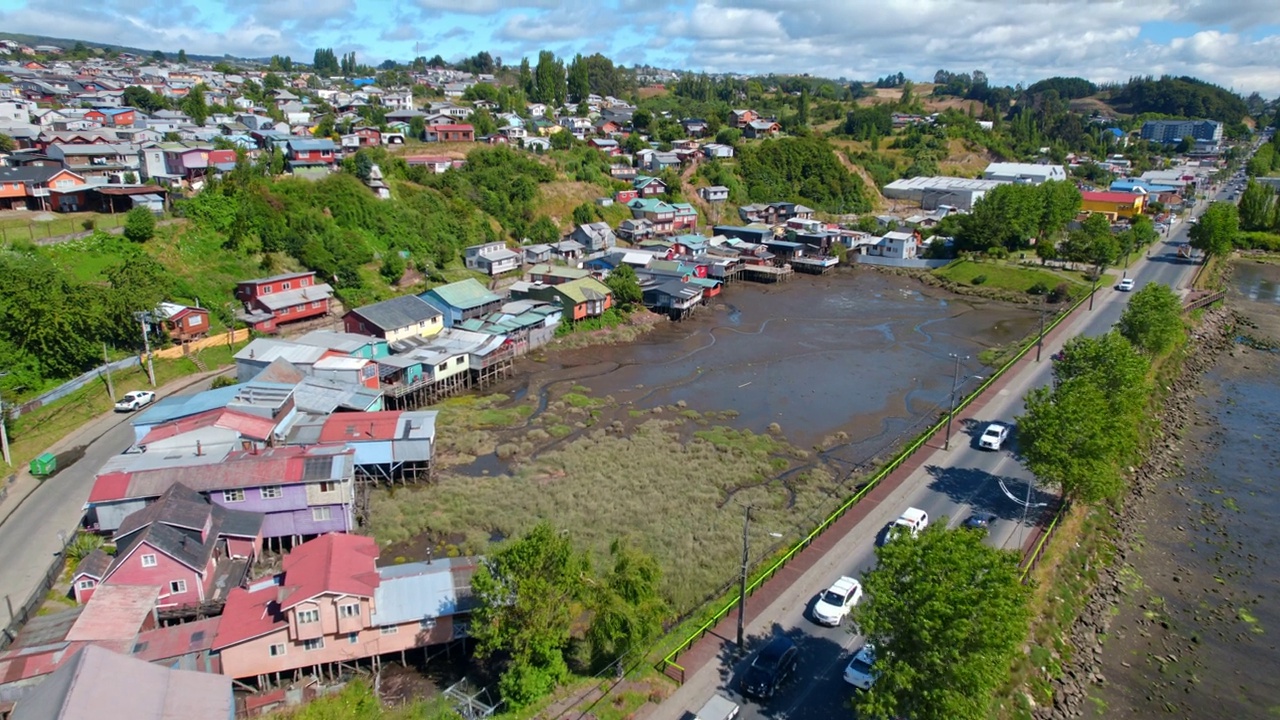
x=994, y=436
x=770, y=668
x=135, y=400
x=834, y=604
x=718, y=708
x=1125, y=285
x=912, y=521
x=980, y=521
x=861, y=672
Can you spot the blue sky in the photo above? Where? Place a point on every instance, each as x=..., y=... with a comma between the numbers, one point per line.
x=1231, y=42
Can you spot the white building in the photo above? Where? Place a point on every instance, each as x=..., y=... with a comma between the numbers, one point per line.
x=931, y=192
x=1028, y=173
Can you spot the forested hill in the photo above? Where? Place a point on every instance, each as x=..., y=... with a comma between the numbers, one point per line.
x=1179, y=97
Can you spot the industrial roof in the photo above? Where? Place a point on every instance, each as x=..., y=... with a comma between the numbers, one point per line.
x=341, y=363
x=945, y=184
x=89, y=685
x=463, y=295
x=398, y=312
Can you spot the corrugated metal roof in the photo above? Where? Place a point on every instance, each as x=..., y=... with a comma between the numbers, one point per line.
x=179, y=406
x=417, y=591
x=266, y=350
x=299, y=296
x=464, y=294
x=342, y=341
x=116, y=612
x=398, y=312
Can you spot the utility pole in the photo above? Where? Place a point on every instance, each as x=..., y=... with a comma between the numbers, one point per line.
x=143, y=318
x=955, y=381
x=742, y=584
x=1040, y=340
x=106, y=364
x=1097, y=276
x=4, y=430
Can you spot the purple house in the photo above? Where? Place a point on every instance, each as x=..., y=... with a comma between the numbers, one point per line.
x=302, y=491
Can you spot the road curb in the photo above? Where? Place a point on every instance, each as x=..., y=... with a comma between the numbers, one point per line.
x=26, y=484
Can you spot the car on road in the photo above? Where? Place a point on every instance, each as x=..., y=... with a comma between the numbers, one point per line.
x=861, y=672
x=135, y=400
x=912, y=521
x=980, y=521
x=718, y=707
x=994, y=436
x=837, y=601
x=1125, y=285
x=770, y=668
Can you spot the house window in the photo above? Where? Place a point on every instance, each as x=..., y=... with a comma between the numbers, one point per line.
x=315, y=303
x=427, y=624
x=457, y=361
x=313, y=644
x=442, y=366
x=266, y=289
x=230, y=496
x=276, y=649
x=271, y=492
x=286, y=285
x=349, y=611
x=308, y=616
x=389, y=629
x=353, y=638
x=178, y=587
x=148, y=561
x=327, y=486
x=321, y=513
x=85, y=584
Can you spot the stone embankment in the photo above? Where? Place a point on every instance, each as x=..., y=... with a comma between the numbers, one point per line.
x=1214, y=335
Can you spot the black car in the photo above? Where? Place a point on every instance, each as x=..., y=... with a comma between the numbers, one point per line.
x=980, y=521
x=770, y=668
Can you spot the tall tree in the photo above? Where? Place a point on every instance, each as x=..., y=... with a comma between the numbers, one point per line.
x=526, y=77
x=182, y=57
x=1216, y=230
x=549, y=80
x=1257, y=206
x=627, y=608
x=579, y=82
x=1152, y=319
x=527, y=595
x=947, y=614
x=194, y=105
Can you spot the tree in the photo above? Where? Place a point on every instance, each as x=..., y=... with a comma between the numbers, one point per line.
x=1152, y=321
x=1257, y=207
x=628, y=609
x=549, y=80
x=157, y=56
x=1143, y=231
x=527, y=596
x=140, y=225
x=7, y=143
x=194, y=105
x=584, y=213
x=182, y=57
x=562, y=140
x=802, y=107
x=624, y=284
x=543, y=230
x=143, y=99
x=1186, y=144
x=579, y=82
x=1216, y=230
x=947, y=614
x=393, y=267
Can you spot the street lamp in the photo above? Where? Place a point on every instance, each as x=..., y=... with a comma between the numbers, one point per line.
x=955, y=381
x=1026, y=504
x=742, y=583
x=4, y=431
x=1094, y=290
x=1040, y=340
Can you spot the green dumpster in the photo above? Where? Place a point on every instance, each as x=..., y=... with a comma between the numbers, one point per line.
x=44, y=465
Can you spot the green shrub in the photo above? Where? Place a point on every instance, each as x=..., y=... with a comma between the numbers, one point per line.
x=978, y=279
x=1060, y=292
x=1040, y=288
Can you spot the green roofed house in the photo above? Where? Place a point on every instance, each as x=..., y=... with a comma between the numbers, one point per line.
x=581, y=298
x=462, y=300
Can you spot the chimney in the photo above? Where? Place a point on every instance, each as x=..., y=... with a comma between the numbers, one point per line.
x=251, y=353
x=199, y=449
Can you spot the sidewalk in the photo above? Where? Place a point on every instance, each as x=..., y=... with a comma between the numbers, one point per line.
x=700, y=677
x=25, y=483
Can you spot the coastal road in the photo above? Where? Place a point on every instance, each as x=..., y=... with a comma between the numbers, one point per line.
x=950, y=485
x=32, y=535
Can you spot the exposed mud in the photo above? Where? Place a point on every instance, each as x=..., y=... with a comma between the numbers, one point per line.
x=1184, y=624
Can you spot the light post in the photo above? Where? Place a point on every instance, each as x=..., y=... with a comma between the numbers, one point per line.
x=1040, y=340
x=4, y=430
x=955, y=381
x=742, y=581
x=1026, y=504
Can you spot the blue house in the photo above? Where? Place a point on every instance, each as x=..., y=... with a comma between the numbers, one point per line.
x=462, y=300
x=1135, y=184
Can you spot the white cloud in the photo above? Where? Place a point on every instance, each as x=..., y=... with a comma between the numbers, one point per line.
x=483, y=7
x=528, y=28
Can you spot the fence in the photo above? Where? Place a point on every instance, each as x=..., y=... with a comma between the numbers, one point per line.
x=184, y=350
x=1205, y=301
x=667, y=665
x=71, y=386
x=60, y=228
x=28, y=609
x=898, y=262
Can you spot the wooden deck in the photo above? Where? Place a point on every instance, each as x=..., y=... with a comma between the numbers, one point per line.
x=767, y=273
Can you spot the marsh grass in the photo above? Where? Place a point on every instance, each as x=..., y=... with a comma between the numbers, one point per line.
x=678, y=497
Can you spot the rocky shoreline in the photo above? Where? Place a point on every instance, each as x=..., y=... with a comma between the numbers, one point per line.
x=1071, y=691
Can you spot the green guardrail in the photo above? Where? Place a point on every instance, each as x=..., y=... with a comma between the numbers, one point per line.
x=1029, y=563
x=894, y=464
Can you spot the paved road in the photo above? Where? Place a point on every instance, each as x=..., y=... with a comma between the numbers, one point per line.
x=32, y=535
x=949, y=486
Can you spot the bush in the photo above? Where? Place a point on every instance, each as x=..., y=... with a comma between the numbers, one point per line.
x=1040, y=288
x=140, y=225
x=1258, y=241
x=978, y=279
x=223, y=381
x=1060, y=292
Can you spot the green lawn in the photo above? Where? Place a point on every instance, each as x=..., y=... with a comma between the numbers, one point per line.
x=23, y=227
x=1008, y=276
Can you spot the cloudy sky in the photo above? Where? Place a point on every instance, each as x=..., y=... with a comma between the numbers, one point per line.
x=1235, y=43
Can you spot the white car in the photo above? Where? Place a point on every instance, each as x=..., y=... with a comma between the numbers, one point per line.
x=861, y=672
x=912, y=521
x=135, y=400
x=994, y=436
x=1125, y=285
x=833, y=606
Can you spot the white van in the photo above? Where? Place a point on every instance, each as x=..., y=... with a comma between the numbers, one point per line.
x=718, y=708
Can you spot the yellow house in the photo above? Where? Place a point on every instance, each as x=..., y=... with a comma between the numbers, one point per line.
x=396, y=319
x=1113, y=204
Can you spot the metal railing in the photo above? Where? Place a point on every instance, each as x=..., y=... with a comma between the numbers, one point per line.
x=20, y=616
x=668, y=665
x=1205, y=301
